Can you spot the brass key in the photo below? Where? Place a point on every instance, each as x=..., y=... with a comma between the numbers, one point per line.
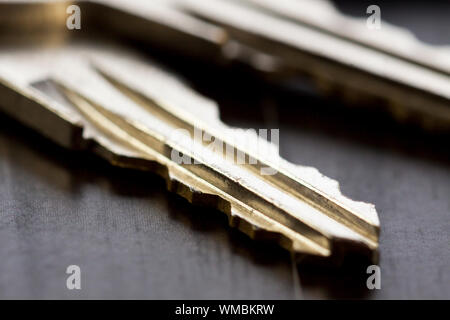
x=129, y=112
x=388, y=68
x=343, y=57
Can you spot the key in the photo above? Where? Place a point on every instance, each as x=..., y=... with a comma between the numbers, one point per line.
x=135, y=114
x=322, y=15
x=391, y=68
x=283, y=39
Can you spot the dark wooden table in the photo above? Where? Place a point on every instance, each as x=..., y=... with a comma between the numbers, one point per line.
x=132, y=239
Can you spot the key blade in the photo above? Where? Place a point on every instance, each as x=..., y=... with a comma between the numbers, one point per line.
x=390, y=39
x=410, y=90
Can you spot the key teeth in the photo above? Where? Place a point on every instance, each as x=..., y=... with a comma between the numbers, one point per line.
x=195, y=196
x=255, y=232
x=200, y=198
x=235, y=220
x=259, y=234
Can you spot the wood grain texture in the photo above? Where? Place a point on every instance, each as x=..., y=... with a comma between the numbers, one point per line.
x=132, y=239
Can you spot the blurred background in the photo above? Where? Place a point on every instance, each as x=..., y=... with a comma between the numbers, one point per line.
x=132, y=239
